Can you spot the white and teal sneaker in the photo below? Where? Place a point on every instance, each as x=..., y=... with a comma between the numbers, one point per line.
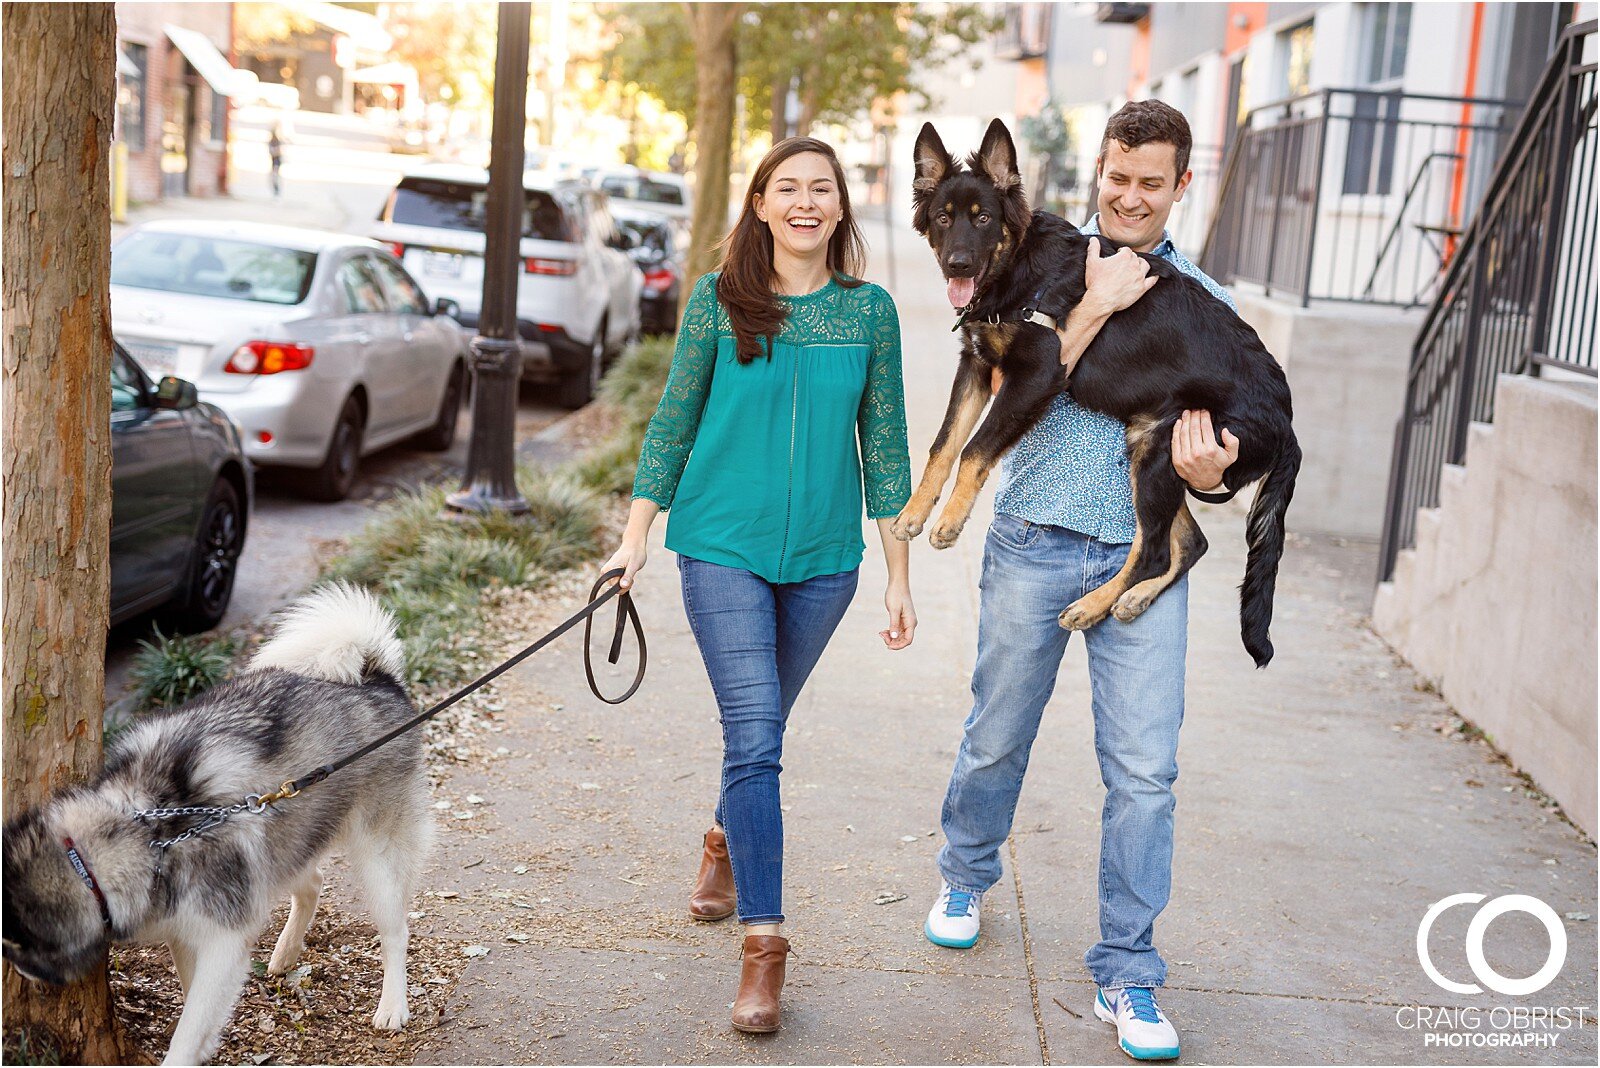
x=1143, y=1030
x=953, y=920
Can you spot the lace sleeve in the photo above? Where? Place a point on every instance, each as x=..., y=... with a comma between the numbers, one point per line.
x=881, y=421
x=671, y=432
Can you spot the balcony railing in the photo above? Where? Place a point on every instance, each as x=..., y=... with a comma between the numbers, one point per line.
x=1353, y=194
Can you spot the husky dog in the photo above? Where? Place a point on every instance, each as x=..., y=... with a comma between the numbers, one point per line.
x=92, y=866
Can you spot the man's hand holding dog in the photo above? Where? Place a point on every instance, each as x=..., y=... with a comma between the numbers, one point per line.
x=1196, y=454
x=1111, y=283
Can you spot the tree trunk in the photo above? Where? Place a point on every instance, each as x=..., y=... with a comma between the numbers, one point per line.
x=714, y=27
x=55, y=512
x=778, y=127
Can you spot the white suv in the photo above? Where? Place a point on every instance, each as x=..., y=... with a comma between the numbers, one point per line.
x=578, y=292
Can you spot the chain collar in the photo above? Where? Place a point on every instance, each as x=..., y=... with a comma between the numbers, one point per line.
x=214, y=816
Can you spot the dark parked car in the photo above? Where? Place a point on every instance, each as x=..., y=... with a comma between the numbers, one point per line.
x=181, y=491
x=659, y=244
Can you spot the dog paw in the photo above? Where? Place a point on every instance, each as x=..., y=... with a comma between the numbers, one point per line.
x=1079, y=617
x=1131, y=605
x=945, y=534
x=391, y=1017
x=905, y=527
x=283, y=958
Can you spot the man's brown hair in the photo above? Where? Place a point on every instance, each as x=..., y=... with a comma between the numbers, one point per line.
x=1145, y=122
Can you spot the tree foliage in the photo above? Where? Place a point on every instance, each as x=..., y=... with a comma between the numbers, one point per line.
x=451, y=46
x=836, y=59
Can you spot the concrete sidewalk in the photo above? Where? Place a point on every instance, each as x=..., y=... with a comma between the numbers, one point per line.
x=1323, y=805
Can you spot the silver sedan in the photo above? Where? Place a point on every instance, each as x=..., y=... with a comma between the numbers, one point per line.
x=319, y=345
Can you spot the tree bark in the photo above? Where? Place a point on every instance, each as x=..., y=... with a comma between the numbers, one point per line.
x=55, y=510
x=778, y=127
x=714, y=27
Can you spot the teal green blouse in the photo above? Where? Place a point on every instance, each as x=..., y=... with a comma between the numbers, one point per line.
x=758, y=462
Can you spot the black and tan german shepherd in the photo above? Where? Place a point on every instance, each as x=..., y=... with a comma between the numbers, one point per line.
x=1177, y=348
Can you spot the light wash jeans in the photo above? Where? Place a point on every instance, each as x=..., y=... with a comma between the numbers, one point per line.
x=759, y=641
x=1030, y=573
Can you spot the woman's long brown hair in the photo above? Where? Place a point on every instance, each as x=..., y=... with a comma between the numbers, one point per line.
x=746, y=282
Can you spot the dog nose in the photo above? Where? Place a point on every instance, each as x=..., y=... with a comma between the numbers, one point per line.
x=959, y=262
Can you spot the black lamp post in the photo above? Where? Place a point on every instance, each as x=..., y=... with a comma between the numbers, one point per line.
x=491, y=477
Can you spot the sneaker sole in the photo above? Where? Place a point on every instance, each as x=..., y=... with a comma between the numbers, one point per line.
x=1138, y=1053
x=949, y=943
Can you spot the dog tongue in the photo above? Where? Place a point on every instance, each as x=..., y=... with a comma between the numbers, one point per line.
x=961, y=291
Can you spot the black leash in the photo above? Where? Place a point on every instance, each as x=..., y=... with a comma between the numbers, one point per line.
x=627, y=615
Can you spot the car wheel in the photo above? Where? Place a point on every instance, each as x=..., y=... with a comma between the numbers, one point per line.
x=442, y=434
x=333, y=480
x=214, y=562
x=578, y=386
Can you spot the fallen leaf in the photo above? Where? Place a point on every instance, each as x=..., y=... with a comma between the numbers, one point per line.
x=475, y=951
x=888, y=898
x=520, y=869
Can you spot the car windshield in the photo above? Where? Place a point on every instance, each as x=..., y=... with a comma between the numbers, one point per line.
x=643, y=190
x=212, y=267
x=463, y=206
x=649, y=235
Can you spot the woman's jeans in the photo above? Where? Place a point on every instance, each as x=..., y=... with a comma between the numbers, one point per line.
x=1030, y=573
x=760, y=641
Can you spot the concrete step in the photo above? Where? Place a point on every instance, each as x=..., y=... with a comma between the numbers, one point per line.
x=1452, y=491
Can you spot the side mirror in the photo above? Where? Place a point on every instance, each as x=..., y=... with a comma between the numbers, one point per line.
x=446, y=306
x=176, y=395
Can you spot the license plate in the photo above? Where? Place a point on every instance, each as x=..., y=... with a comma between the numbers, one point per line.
x=441, y=265
x=156, y=358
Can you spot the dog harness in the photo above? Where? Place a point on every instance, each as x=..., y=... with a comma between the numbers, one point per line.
x=81, y=866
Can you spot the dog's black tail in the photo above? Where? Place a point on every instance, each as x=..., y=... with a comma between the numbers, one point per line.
x=1265, y=538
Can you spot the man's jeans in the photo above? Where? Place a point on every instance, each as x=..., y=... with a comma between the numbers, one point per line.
x=1030, y=573
x=760, y=641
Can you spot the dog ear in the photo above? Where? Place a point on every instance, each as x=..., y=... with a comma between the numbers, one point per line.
x=997, y=157
x=933, y=163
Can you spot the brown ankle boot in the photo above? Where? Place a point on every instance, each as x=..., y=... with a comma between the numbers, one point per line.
x=713, y=897
x=755, y=1010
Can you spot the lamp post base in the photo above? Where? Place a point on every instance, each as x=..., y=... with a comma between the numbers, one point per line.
x=490, y=482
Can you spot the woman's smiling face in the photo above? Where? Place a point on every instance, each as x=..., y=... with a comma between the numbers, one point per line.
x=801, y=205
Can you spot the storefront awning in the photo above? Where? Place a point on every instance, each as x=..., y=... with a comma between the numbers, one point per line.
x=222, y=76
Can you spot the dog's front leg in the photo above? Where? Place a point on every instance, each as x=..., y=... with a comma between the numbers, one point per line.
x=221, y=959
x=968, y=397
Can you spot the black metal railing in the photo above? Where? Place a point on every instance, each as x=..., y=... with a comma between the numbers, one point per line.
x=1353, y=194
x=1518, y=294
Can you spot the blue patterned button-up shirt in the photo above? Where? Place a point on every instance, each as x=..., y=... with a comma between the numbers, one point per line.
x=1071, y=470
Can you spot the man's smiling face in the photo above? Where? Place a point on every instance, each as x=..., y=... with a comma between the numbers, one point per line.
x=1138, y=187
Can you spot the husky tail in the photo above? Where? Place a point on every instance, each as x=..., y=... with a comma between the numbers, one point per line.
x=338, y=632
x=1265, y=538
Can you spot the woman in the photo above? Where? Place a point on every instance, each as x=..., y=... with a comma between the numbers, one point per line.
x=785, y=362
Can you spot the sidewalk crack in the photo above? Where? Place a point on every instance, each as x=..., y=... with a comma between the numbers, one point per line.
x=1027, y=953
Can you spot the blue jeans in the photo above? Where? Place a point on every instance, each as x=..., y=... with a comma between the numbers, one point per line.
x=759, y=641
x=1030, y=573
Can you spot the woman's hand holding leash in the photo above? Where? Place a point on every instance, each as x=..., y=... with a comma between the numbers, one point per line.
x=635, y=549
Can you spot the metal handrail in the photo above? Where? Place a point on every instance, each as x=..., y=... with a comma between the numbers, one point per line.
x=1496, y=306
x=1400, y=216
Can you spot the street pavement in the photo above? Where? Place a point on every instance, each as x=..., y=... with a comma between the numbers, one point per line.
x=1323, y=805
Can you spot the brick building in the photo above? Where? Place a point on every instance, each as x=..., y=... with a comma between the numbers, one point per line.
x=173, y=83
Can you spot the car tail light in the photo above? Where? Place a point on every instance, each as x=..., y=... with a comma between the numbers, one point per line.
x=268, y=358
x=536, y=265
x=397, y=248
x=658, y=279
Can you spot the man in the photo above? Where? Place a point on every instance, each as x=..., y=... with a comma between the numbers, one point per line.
x=1064, y=520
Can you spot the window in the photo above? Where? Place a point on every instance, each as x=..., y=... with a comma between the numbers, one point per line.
x=404, y=295
x=215, y=135
x=463, y=205
x=1295, y=46
x=212, y=267
x=131, y=96
x=127, y=387
x=360, y=286
x=1375, y=120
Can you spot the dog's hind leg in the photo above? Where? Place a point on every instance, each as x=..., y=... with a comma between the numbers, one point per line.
x=302, y=907
x=967, y=399
x=221, y=957
x=387, y=864
x=1187, y=545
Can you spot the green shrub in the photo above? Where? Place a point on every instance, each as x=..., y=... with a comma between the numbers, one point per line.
x=172, y=670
